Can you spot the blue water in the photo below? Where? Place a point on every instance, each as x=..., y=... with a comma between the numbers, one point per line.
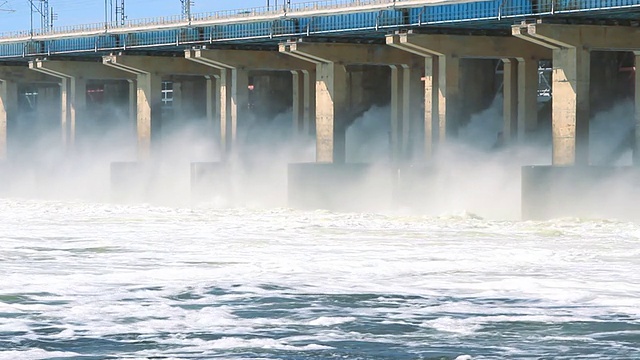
x=97, y=281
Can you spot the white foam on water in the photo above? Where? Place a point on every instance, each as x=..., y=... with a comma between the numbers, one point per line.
x=35, y=354
x=99, y=270
x=328, y=321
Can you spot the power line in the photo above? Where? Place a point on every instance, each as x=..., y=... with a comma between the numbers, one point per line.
x=3, y=3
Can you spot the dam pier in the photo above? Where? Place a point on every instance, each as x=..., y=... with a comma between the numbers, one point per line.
x=433, y=65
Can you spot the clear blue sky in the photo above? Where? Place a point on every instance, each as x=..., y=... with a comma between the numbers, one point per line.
x=74, y=12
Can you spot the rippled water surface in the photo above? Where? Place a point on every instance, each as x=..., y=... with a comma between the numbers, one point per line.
x=96, y=281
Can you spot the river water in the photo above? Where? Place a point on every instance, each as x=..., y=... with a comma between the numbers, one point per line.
x=96, y=281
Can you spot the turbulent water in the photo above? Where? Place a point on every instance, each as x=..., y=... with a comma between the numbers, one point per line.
x=97, y=281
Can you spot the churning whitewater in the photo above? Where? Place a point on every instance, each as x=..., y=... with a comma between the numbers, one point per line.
x=95, y=281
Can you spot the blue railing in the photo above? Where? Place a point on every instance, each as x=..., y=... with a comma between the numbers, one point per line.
x=360, y=21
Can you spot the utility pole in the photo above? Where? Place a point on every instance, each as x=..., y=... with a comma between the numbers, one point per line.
x=44, y=14
x=186, y=9
x=53, y=17
x=120, y=12
x=43, y=9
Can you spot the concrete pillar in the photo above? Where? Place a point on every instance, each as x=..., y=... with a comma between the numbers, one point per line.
x=234, y=94
x=47, y=97
x=309, y=101
x=8, y=105
x=636, y=143
x=77, y=105
x=73, y=78
x=332, y=89
x=528, y=80
x=239, y=101
x=397, y=111
x=571, y=46
x=303, y=100
x=430, y=104
x=211, y=83
x=510, y=99
x=148, y=71
x=298, y=109
x=65, y=119
x=149, y=113
x=449, y=105
x=333, y=96
x=226, y=138
x=133, y=103
x=414, y=116
x=570, y=111
x=177, y=102
x=449, y=49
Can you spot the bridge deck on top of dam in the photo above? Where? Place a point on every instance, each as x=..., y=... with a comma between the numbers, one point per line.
x=356, y=19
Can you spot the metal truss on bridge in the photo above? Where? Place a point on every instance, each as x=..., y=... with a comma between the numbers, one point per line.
x=369, y=19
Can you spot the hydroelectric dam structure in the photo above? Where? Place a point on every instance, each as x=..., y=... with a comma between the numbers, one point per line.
x=432, y=61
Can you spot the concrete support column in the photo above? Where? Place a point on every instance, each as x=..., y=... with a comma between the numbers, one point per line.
x=77, y=105
x=8, y=105
x=133, y=102
x=570, y=112
x=177, y=101
x=298, y=109
x=213, y=98
x=149, y=118
x=309, y=100
x=527, y=96
x=47, y=98
x=239, y=101
x=449, y=105
x=406, y=122
x=65, y=119
x=636, y=143
x=332, y=94
x=397, y=111
x=414, y=116
x=226, y=133
x=510, y=99
x=430, y=104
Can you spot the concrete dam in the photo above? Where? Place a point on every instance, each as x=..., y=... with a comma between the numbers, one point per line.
x=523, y=105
